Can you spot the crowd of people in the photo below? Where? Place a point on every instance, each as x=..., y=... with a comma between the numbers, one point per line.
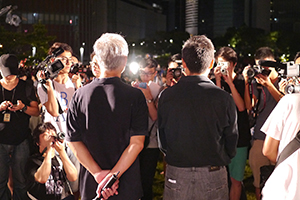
x=89, y=134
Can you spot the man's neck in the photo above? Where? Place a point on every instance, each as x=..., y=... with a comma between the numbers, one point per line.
x=110, y=74
x=62, y=78
x=9, y=84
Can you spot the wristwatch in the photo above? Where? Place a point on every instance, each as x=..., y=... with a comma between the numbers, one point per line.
x=149, y=100
x=24, y=108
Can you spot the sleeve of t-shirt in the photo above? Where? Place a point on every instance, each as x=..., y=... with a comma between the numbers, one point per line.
x=139, y=120
x=42, y=94
x=73, y=122
x=274, y=124
x=32, y=96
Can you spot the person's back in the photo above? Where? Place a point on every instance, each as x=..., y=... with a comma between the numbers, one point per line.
x=197, y=129
x=107, y=123
x=199, y=114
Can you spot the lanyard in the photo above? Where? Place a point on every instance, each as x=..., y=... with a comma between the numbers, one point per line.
x=13, y=95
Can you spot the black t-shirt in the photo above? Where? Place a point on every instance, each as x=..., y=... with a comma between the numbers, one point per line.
x=17, y=129
x=104, y=115
x=243, y=121
x=53, y=188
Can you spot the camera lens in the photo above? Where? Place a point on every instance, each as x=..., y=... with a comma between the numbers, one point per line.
x=176, y=73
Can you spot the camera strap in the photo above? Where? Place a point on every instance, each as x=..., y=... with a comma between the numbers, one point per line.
x=64, y=174
x=293, y=146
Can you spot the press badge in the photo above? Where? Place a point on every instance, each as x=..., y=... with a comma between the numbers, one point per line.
x=6, y=117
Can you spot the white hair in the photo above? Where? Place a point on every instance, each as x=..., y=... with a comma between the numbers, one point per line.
x=111, y=51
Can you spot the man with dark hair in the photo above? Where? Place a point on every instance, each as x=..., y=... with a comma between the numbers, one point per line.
x=55, y=96
x=197, y=124
x=107, y=124
x=48, y=173
x=266, y=94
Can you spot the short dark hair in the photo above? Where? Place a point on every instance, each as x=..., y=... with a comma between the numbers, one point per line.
x=228, y=54
x=174, y=58
x=297, y=56
x=56, y=45
x=263, y=53
x=198, y=53
x=148, y=62
x=40, y=129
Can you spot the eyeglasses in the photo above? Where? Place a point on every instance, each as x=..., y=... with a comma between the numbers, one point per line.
x=142, y=72
x=66, y=60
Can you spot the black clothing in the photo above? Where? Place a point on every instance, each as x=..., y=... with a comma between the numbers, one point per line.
x=53, y=188
x=17, y=129
x=266, y=105
x=197, y=123
x=104, y=115
x=243, y=121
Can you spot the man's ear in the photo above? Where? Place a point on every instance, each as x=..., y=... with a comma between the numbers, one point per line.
x=212, y=63
x=186, y=69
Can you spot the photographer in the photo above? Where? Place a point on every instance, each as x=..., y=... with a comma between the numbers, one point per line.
x=47, y=173
x=150, y=153
x=233, y=83
x=265, y=97
x=175, y=71
x=55, y=96
x=18, y=103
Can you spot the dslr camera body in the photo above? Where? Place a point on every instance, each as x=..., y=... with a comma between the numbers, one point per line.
x=257, y=69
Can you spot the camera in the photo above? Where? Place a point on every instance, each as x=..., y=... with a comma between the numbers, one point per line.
x=51, y=70
x=288, y=69
x=290, y=88
x=177, y=72
x=75, y=68
x=224, y=67
x=257, y=69
x=60, y=136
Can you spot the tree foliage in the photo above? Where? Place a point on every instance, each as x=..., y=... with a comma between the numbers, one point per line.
x=21, y=43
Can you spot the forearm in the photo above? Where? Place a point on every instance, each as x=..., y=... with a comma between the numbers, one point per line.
x=274, y=92
x=84, y=157
x=33, y=109
x=218, y=83
x=69, y=167
x=129, y=155
x=51, y=105
x=247, y=97
x=43, y=172
x=152, y=110
x=238, y=100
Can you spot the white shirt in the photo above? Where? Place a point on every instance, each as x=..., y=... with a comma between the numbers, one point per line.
x=283, y=125
x=63, y=93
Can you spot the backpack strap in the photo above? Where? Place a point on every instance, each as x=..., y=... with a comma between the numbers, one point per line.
x=293, y=146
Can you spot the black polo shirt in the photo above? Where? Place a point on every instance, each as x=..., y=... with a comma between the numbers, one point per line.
x=104, y=114
x=197, y=123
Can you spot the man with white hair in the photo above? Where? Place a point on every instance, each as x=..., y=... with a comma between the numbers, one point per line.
x=107, y=122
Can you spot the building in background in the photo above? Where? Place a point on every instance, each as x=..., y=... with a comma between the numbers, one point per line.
x=80, y=22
